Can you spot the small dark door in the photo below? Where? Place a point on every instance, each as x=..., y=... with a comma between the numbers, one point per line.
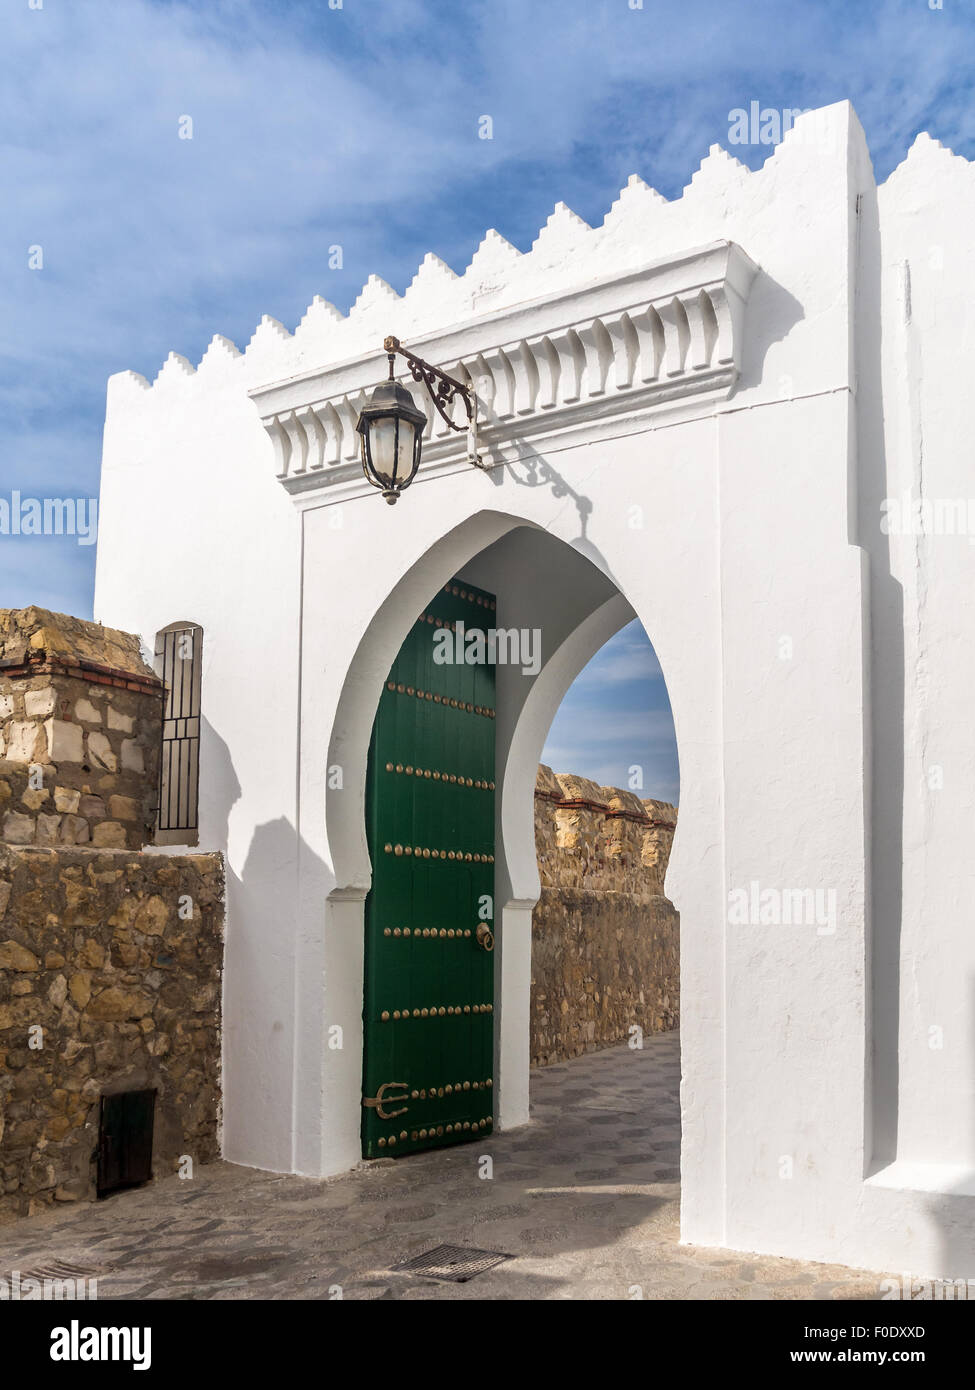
x=125, y=1140
x=429, y=972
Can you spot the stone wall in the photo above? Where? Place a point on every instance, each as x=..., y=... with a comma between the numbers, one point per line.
x=110, y=977
x=605, y=939
x=79, y=733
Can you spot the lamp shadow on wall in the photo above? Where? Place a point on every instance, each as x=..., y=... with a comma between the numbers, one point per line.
x=772, y=314
x=533, y=469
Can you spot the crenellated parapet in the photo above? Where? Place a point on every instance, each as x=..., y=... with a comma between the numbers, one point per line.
x=591, y=329
x=640, y=227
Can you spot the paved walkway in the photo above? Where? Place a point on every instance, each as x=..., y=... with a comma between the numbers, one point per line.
x=586, y=1198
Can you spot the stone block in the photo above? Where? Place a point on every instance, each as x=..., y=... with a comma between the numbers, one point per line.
x=81, y=904
x=66, y=799
x=26, y=742
x=34, y=798
x=38, y=704
x=13, y=956
x=133, y=759
x=86, y=712
x=65, y=742
x=75, y=831
x=123, y=808
x=115, y=1005
x=94, y=953
x=80, y=987
x=153, y=916
x=47, y=829
x=108, y=834
x=58, y=991
x=18, y=829
x=100, y=752
x=70, y=1191
x=92, y=806
x=117, y=720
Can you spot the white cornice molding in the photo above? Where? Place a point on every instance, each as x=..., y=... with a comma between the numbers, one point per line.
x=589, y=363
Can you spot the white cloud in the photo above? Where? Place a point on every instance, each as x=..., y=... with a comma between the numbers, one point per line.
x=314, y=126
x=353, y=124
x=626, y=657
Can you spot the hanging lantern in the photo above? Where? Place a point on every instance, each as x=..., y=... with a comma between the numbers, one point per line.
x=391, y=433
x=391, y=427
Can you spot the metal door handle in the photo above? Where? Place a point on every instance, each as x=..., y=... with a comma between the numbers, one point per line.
x=484, y=937
x=378, y=1101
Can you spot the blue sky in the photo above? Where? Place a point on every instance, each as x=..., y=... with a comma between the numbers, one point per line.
x=357, y=126
x=616, y=716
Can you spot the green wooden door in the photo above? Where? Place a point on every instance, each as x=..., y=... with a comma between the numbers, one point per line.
x=429, y=969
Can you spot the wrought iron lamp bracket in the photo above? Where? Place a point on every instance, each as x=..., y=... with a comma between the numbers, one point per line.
x=443, y=390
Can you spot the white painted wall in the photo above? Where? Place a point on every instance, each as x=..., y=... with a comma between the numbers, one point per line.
x=926, y=281
x=816, y=669
x=192, y=532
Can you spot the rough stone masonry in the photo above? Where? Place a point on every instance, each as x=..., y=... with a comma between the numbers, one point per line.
x=80, y=719
x=110, y=959
x=605, y=939
x=110, y=971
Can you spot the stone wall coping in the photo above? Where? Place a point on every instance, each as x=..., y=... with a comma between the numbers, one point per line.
x=581, y=803
x=41, y=663
x=32, y=633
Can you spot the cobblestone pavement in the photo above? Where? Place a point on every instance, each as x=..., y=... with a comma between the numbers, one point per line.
x=586, y=1199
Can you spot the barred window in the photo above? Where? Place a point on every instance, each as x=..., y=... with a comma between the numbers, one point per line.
x=179, y=653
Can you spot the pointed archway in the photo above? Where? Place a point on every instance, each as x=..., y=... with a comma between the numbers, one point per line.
x=544, y=583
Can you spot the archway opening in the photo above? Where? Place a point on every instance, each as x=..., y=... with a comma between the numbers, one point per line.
x=605, y=937
x=563, y=603
x=605, y=950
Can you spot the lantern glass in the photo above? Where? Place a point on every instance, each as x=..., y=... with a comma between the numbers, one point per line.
x=391, y=445
x=391, y=427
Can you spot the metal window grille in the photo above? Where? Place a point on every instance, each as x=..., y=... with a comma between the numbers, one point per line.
x=179, y=652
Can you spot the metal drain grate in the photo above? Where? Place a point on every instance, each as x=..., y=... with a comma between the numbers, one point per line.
x=453, y=1263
